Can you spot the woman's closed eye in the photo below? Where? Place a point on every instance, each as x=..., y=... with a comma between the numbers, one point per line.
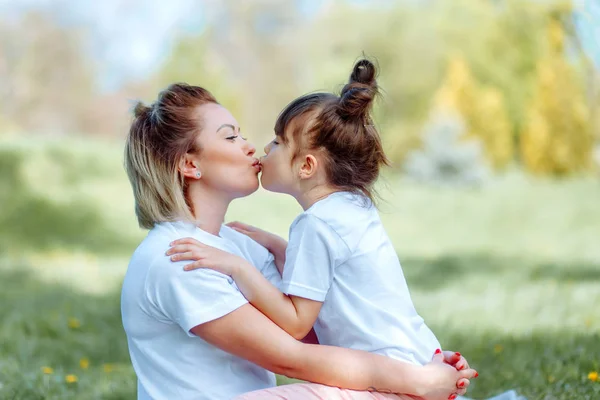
x=233, y=137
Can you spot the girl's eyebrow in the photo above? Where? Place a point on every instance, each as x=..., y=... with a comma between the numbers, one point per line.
x=227, y=126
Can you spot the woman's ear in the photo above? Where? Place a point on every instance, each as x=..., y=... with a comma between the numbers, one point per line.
x=189, y=167
x=309, y=167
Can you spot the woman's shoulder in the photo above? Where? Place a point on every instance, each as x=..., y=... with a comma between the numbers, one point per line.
x=248, y=246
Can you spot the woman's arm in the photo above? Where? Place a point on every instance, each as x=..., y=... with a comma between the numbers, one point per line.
x=295, y=315
x=247, y=333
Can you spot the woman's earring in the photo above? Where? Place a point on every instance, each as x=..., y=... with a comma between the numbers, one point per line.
x=198, y=174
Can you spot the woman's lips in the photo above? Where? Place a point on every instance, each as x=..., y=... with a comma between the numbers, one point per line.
x=257, y=165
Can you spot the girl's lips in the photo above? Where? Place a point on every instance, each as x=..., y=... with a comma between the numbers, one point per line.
x=257, y=165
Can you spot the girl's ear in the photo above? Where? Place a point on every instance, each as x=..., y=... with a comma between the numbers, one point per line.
x=309, y=167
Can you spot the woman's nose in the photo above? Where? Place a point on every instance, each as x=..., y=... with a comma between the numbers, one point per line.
x=250, y=149
x=267, y=148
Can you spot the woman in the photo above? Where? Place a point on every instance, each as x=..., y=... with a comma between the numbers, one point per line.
x=196, y=337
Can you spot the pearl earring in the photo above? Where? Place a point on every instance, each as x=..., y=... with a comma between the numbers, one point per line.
x=197, y=174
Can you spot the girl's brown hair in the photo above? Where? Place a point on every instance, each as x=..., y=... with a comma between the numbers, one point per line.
x=160, y=135
x=342, y=127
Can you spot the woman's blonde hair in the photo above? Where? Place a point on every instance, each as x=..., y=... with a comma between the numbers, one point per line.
x=160, y=136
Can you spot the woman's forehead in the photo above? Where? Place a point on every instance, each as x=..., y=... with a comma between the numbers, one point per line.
x=215, y=116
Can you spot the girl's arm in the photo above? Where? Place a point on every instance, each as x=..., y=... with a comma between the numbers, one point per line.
x=275, y=244
x=247, y=333
x=295, y=315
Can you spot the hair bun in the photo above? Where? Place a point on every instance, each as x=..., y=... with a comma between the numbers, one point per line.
x=357, y=96
x=364, y=72
x=141, y=110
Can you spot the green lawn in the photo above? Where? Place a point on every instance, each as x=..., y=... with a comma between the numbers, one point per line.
x=508, y=274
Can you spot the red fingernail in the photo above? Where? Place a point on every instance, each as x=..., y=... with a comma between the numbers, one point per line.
x=438, y=351
x=476, y=374
x=452, y=397
x=457, y=354
x=461, y=384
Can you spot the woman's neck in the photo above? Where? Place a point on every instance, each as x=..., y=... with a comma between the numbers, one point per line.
x=209, y=209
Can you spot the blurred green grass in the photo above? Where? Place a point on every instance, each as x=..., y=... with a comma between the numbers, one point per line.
x=508, y=274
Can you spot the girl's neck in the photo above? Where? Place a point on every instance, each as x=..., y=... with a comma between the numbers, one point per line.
x=309, y=197
x=209, y=208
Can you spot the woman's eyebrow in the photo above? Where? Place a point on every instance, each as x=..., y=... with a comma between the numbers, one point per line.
x=226, y=126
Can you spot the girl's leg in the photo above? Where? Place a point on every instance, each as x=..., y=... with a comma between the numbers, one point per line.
x=314, y=391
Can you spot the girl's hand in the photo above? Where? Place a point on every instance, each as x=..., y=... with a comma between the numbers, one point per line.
x=444, y=380
x=275, y=244
x=204, y=256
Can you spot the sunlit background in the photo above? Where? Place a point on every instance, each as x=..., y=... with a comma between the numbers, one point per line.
x=490, y=114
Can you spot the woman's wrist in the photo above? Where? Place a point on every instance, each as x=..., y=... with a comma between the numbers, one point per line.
x=415, y=380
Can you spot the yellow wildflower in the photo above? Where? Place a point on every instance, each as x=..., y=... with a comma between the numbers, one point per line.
x=498, y=349
x=71, y=378
x=74, y=323
x=551, y=379
x=593, y=376
x=84, y=363
x=47, y=370
x=108, y=368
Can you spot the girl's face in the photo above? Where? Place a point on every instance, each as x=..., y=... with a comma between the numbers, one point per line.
x=278, y=173
x=226, y=160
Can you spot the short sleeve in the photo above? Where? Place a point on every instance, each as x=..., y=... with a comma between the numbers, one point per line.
x=256, y=254
x=191, y=298
x=312, y=254
x=270, y=271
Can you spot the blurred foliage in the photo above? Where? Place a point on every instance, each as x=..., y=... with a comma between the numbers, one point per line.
x=51, y=198
x=557, y=138
x=483, y=110
x=491, y=61
x=446, y=158
x=46, y=84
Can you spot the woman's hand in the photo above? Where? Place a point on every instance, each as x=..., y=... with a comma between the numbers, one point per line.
x=444, y=380
x=456, y=360
x=204, y=256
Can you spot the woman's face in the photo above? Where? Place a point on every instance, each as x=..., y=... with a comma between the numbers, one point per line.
x=226, y=160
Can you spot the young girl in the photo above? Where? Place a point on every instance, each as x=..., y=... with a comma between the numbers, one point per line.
x=340, y=272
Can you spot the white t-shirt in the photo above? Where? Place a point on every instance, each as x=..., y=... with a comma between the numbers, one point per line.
x=340, y=254
x=160, y=303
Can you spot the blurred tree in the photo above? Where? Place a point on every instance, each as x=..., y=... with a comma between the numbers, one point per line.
x=45, y=80
x=446, y=158
x=482, y=109
x=557, y=136
x=247, y=57
x=404, y=43
x=194, y=61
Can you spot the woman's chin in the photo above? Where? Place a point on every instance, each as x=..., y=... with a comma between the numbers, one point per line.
x=251, y=188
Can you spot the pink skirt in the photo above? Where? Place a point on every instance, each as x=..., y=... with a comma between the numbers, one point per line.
x=314, y=391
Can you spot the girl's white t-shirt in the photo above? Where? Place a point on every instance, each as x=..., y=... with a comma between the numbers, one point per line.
x=160, y=303
x=340, y=254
